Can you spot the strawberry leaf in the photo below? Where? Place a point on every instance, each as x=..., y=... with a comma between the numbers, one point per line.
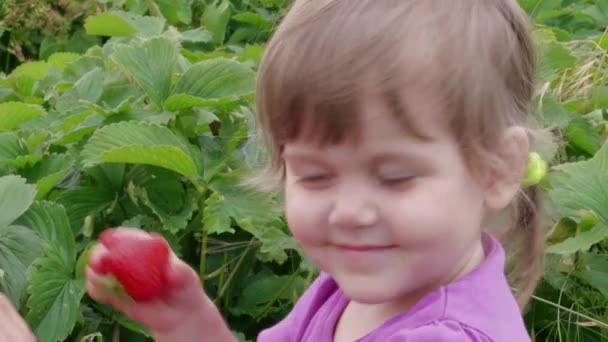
x=83, y=201
x=10, y=147
x=19, y=247
x=215, y=19
x=50, y=170
x=231, y=201
x=54, y=297
x=217, y=78
x=151, y=64
x=176, y=11
x=140, y=143
x=15, y=198
x=13, y=114
x=596, y=271
x=107, y=24
x=582, y=186
x=50, y=221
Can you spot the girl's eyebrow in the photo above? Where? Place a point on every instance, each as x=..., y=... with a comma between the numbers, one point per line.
x=393, y=156
x=302, y=156
x=305, y=156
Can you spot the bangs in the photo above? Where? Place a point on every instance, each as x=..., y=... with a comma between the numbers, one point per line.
x=312, y=85
x=327, y=121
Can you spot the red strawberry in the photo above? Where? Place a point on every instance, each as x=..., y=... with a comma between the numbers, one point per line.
x=138, y=261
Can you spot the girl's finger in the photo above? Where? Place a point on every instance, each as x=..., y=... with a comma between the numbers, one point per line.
x=12, y=326
x=96, y=254
x=138, y=311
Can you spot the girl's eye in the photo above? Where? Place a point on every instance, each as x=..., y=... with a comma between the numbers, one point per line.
x=395, y=180
x=314, y=178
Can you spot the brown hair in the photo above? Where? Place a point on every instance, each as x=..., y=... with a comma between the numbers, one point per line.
x=476, y=55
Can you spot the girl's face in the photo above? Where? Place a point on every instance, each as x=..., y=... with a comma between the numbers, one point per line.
x=390, y=217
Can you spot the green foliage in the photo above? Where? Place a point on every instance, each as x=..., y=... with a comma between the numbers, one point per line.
x=150, y=129
x=139, y=113
x=570, y=303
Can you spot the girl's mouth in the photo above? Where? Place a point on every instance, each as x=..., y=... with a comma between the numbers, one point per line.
x=364, y=248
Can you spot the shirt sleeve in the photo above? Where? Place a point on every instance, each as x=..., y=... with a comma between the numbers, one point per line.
x=445, y=331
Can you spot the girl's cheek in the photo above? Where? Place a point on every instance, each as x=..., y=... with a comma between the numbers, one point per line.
x=304, y=218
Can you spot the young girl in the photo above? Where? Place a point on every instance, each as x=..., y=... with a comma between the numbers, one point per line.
x=398, y=131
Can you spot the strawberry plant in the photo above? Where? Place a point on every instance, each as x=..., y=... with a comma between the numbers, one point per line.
x=139, y=132
x=570, y=304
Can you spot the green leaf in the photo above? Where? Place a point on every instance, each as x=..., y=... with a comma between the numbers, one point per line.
x=107, y=24
x=90, y=86
x=50, y=170
x=148, y=26
x=19, y=247
x=217, y=78
x=596, y=271
x=75, y=70
x=4, y=92
x=172, y=221
x=536, y=7
x=553, y=14
x=178, y=102
x=62, y=59
x=10, y=146
x=54, y=298
x=215, y=19
x=253, y=19
x=140, y=143
x=581, y=241
x=22, y=161
x=50, y=221
x=83, y=201
x=151, y=64
x=275, y=241
x=582, y=186
x=176, y=11
x=264, y=289
x=252, y=53
x=35, y=70
x=110, y=176
x=552, y=113
x=216, y=220
x=555, y=57
x=230, y=201
x=13, y=114
x=261, y=291
x=198, y=35
x=581, y=134
x=15, y=198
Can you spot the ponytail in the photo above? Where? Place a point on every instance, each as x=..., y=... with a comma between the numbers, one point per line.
x=525, y=241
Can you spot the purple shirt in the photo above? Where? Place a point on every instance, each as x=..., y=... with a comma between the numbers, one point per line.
x=476, y=307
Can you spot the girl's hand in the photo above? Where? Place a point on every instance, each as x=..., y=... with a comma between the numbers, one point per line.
x=12, y=327
x=185, y=313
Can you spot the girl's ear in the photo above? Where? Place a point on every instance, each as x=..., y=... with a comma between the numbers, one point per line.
x=503, y=179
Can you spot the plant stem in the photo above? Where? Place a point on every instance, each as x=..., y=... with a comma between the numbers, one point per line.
x=203, y=260
x=116, y=333
x=203, y=267
x=576, y=313
x=7, y=63
x=236, y=267
x=221, y=275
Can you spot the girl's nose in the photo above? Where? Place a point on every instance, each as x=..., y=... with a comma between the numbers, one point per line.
x=352, y=209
